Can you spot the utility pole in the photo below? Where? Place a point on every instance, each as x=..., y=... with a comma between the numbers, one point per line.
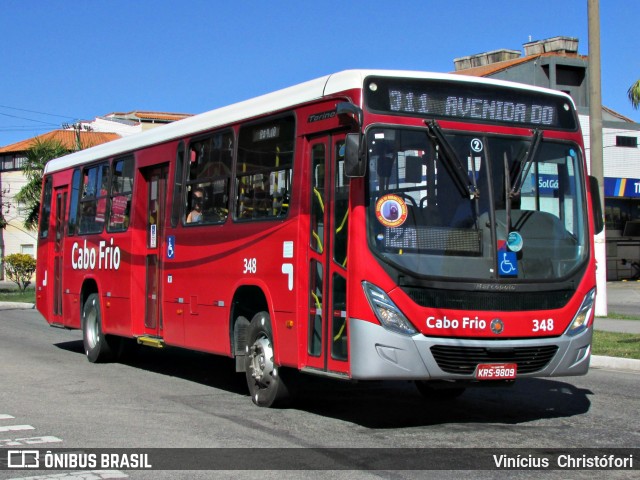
x=77, y=127
x=595, y=135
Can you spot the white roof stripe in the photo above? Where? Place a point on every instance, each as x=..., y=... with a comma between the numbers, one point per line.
x=262, y=105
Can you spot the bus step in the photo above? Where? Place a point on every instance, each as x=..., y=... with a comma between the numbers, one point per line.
x=151, y=341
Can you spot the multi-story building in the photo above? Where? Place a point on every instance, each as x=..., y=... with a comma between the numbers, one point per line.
x=555, y=63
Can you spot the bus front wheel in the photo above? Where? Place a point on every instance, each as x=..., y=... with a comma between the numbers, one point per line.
x=266, y=385
x=95, y=342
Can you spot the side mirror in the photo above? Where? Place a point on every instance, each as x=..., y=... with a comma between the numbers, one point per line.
x=354, y=163
x=598, y=217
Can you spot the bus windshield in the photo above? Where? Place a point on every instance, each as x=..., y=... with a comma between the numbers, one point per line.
x=476, y=206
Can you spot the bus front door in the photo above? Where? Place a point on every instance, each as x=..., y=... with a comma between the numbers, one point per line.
x=156, y=182
x=327, y=345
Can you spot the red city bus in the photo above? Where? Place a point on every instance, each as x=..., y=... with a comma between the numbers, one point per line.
x=365, y=225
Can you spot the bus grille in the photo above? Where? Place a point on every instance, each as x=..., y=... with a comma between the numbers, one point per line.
x=464, y=360
x=498, y=301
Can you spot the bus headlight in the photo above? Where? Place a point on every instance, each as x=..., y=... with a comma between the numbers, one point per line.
x=387, y=313
x=581, y=320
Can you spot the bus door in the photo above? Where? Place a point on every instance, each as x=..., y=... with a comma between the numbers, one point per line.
x=60, y=207
x=156, y=182
x=327, y=345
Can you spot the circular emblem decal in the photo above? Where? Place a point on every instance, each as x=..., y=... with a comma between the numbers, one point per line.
x=497, y=326
x=476, y=145
x=391, y=210
x=514, y=242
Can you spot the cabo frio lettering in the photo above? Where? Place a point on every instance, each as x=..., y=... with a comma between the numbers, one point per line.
x=466, y=323
x=105, y=257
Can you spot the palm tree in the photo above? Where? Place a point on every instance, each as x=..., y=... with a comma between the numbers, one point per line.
x=634, y=94
x=37, y=157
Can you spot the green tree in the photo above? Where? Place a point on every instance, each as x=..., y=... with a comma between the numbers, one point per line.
x=37, y=157
x=634, y=94
x=19, y=268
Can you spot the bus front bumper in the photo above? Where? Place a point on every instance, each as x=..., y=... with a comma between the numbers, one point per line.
x=379, y=354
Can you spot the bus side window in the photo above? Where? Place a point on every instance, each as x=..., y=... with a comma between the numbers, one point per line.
x=46, y=208
x=177, y=186
x=264, y=168
x=121, y=188
x=72, y=224
x=93, y=201
x=209, y=179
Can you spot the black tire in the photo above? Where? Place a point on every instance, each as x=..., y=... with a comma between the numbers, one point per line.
x=96, y=346
x=266, y=386
x=437, y=392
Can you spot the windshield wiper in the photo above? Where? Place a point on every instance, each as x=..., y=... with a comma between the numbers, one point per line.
x=452, y=162
x=524, y=166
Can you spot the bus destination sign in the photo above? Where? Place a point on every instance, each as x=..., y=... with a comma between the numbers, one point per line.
x=479, y=103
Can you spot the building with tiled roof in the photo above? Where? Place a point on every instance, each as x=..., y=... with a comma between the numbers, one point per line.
x=555, y=63
x=67, y=138
x=146, y=119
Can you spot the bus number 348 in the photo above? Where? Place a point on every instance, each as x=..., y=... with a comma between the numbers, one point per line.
x=545, y=325
x=250, y=265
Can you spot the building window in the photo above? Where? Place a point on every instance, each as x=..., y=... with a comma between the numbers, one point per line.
x=28, y=249
x=622, y=141
x=10, y=162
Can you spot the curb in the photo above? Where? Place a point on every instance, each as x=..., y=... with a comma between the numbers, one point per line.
x=16, y=306
x=615, y=363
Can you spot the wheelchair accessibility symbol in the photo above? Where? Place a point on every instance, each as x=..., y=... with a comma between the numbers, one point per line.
x=508, y=265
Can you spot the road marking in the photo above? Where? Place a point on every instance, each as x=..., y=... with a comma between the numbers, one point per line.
x=13, y=428
x=4, y=416
x=29, y=441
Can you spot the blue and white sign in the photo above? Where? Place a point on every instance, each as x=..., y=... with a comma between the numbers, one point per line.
x=508, y=264
x=171, y=245
x=622, y=187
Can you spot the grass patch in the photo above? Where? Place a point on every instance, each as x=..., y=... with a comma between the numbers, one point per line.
x=621, y=345
x=621, y=316
x=29, y=296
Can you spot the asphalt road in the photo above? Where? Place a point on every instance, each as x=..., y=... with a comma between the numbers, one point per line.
x=52, y=397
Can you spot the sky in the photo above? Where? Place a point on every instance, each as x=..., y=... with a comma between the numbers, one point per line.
x=63, y=62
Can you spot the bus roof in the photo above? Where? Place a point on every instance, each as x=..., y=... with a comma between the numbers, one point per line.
x=262, y=105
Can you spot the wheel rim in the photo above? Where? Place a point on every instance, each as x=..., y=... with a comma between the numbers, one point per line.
x=262, y=368
x=92, y=328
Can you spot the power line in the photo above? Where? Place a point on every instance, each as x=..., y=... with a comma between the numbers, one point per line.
x=34, y=111
x=29, y=119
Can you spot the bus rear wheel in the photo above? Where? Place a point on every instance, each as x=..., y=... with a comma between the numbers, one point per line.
x=266, y=385
x=95, y=342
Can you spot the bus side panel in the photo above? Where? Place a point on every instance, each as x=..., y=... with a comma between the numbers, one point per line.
x=43, y=301
x=210, y=265
x=115, y=287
